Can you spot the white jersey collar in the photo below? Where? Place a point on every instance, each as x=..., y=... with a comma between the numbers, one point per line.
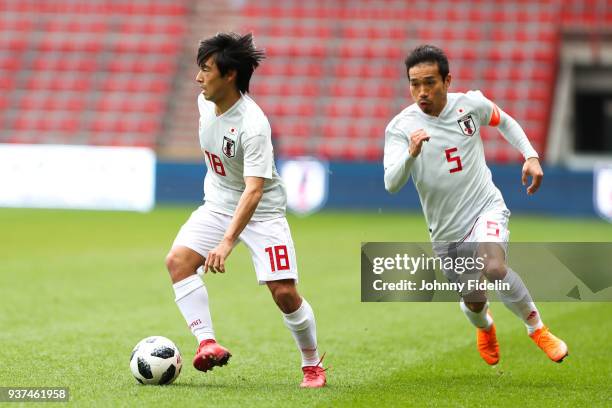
x=233, y=108
x=443, y=112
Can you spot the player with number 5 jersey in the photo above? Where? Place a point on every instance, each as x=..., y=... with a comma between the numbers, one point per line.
x=244, y=201
x=437, y=142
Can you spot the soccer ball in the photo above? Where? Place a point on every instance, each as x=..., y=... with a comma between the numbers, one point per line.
x=155, y=360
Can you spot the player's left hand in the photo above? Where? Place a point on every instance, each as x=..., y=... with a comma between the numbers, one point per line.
x=532, y=168
x=215, y=261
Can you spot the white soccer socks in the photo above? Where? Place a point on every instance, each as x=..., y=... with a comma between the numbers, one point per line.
x=519, y=301
x=302, y=325
x=192, y=300
x=527, y=311
x=481, y=319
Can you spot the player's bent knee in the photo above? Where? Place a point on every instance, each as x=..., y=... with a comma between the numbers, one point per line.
x=173, y=264
x=475, y=307
x=180, y=265
x=495, y=269
x=285, y=295
x=172, y=261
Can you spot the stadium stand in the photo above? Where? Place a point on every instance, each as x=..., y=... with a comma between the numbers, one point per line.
x=507, y=51
x=87, y=72
x=121, y=72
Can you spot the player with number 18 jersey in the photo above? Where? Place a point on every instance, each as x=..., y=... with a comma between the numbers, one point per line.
x=236, y=144
x=244, y=201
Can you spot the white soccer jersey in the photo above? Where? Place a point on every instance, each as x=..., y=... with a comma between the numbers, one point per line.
x=450, y=174
x=237, y=144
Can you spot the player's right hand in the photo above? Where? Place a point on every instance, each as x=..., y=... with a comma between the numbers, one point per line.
x=416, y=142
x=215, y=261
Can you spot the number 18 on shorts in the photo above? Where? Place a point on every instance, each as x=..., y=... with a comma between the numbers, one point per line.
x=269, y=242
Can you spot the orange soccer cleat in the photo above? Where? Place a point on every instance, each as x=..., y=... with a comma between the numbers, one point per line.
x=554, y=347
x=487, y=344
x=210, y=354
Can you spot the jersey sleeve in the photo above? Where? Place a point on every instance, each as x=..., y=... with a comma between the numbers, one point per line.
x=258, y=152
x=488, y=112
x=491, y=115
x=397, y=160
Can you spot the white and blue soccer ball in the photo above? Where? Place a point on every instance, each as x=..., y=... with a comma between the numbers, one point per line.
x=156, y=360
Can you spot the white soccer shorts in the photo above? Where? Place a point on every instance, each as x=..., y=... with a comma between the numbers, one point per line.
x=269, y=242
x=490, y=226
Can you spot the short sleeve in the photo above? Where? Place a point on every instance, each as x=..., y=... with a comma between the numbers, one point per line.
x=488, y=112
x=258, y=153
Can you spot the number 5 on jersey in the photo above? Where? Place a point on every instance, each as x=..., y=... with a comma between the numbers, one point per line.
x=215, y=163
x=455, y=159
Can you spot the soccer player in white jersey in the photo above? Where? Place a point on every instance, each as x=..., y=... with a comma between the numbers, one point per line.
x=244, y=200
x=437, y=142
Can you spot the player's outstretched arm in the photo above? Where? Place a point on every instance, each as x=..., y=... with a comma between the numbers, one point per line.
x=532, y=169
x=514, y=133
x=215, y=261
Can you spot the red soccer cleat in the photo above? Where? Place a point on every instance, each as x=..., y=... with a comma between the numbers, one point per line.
x=210, y=354
x=314, y=376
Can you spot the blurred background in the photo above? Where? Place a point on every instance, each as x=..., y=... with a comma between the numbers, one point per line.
x=121, y=73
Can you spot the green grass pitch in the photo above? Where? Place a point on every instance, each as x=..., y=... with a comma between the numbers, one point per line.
x=79, y=289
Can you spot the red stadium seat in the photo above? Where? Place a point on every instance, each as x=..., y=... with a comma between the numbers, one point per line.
x=373, y=153
x=292, y=150
x=339, y=76
x=65, y=74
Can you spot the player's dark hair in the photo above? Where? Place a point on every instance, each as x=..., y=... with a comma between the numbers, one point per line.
x=232, y=51
x=428, y=53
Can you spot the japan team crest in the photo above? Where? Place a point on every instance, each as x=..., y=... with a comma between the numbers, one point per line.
x=229, y=147
x=467, y=125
